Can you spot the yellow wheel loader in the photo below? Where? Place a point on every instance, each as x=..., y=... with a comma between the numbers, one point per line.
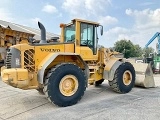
x=63, y=69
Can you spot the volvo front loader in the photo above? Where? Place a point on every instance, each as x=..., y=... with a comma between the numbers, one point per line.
x=63, y=69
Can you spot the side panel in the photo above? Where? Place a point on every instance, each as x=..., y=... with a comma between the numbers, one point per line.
x=69, y=48
x=87, y=54
x=42, y=51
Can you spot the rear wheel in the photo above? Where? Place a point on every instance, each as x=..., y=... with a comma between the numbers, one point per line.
x=124, y=78
x=65, y=84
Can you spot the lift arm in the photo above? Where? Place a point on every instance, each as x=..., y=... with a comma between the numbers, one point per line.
x=152, y=39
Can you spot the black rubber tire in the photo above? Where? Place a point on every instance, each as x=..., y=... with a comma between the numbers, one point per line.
x=117, y=84
x=99, y=82
x=53, y=79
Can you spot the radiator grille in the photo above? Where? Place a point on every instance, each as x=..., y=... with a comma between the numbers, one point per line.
x=29, y=62
x=8, y=60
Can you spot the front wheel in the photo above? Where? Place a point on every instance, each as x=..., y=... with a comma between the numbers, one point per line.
x=65, y=84
x=124, y=78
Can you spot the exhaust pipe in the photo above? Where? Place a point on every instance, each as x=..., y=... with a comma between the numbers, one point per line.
x=43, y=33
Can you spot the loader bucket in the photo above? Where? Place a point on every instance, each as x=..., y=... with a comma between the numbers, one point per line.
x=144, y=75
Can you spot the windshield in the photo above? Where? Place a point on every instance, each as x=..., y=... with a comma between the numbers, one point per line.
x=69, y=34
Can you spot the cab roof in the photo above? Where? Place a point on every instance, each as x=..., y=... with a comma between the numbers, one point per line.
x=86, y=21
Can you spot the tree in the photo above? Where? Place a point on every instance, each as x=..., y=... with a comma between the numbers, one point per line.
x=137, y=51
x=128, y=48
x=147, y=51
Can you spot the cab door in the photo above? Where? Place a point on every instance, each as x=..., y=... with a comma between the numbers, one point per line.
x=88, y=41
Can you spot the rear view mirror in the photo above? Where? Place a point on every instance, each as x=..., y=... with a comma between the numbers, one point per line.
x=101, y=30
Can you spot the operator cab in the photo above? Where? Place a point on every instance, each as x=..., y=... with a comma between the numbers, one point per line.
x=83, y=32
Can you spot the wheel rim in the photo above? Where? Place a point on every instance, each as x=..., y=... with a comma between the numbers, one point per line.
x=68, y=85
x=127, y=77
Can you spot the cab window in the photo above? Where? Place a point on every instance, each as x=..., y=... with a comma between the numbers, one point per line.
x=88, y=36
x=69, y=34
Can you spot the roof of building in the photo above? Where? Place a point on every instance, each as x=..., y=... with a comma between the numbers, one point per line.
x=26, y=29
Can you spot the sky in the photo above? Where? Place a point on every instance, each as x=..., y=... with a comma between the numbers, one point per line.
x=137, y=21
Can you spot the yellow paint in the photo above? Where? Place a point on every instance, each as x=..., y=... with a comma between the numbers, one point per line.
x=68, y=85
x=2, y=68
x=2, y=42
x=19, y=78
x=33, y=82
x=62, y=33
x=8, y=44
x=78, y=36
x=96, y=76
x=39, y=64
x=22, y=74
x=87, y=54
x=127, y=77
x=107, y=58
x=78, y=50
x=110, y=63
x=12, y=76
x=42, y=52
x=85, y=21
x=24, y=41
x=69, y=48
x=60, y=59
